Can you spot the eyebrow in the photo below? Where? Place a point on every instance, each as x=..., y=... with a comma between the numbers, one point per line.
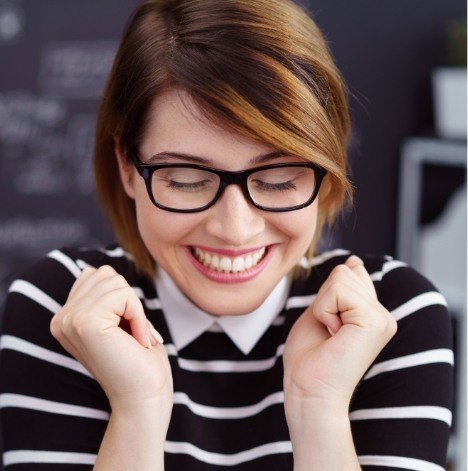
x=262, y=158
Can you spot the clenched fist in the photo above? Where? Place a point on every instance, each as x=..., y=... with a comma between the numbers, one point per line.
x=103, y=325
x=337, y=338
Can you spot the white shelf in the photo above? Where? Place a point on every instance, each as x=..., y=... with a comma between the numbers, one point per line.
x=416, y=152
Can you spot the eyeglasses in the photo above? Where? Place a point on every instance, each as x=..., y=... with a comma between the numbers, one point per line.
x=190, y=188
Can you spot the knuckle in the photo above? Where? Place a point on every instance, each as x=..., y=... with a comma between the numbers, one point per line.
x=106, y=270
x=128, y=291
x=340, y=274
x=316, y=310
x=87, y=270
x=135, y=300
x=65, y=320
x=340, y=270
x=380, y=326
x=54, y=326
x=392, y=326
x=120, y=280
x=58, y=323
x=77, y=325
x=336, y=286
x=121, y=291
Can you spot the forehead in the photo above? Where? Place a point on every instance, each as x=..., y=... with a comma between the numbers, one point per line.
x=176, y=124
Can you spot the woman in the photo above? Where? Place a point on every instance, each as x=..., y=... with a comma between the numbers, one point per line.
x=220, y=154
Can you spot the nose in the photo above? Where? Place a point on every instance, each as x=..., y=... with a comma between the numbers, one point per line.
x=234, y=220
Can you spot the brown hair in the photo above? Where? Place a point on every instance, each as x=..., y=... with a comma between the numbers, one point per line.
x=261, y=67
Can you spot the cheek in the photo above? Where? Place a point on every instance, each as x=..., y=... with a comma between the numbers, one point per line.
x=299, y=226
x=162, y=231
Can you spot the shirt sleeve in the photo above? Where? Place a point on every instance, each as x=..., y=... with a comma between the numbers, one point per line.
x=53, y=412
x=401, y=412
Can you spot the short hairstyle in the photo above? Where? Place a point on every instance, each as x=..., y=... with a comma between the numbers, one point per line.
x=262, y=68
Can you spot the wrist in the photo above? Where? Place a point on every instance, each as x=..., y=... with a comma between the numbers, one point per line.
x=135, y=437
x=144, y=411
x=330, y=401
x=315, y=429
x=313, y=413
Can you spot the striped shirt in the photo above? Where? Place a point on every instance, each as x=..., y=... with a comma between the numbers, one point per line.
x=228, y=405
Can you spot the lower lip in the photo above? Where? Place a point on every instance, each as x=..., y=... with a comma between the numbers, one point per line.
x=222, y=277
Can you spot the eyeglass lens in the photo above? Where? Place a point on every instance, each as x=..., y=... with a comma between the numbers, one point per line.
x=189, y=188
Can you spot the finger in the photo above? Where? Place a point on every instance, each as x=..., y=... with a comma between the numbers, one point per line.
x=342, y=293
x=82, y=264
x=112, y=307
x=331, y=331
x=141, y=328
x=156, y=335
x=344, y=275
x=307, y=331
x=106, y=288
x=327, y=311
x=357, y=266
x=103, y=279
x=330, y=318
x=85, y=274
x=353, y=273
x=86, y=281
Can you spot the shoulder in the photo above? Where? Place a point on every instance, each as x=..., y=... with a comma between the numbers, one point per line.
x=395, y=281
x=402, y=290
x=58, y=270
x=46, y=284
x=312, y=272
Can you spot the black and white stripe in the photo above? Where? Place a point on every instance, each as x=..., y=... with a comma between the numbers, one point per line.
x=228, y=407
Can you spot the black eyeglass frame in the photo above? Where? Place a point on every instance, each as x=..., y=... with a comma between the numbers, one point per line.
x=228, y=178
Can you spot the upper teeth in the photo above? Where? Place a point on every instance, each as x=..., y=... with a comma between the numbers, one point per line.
x=227, y=264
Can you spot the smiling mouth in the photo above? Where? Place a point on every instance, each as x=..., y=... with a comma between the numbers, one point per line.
x=225, y=264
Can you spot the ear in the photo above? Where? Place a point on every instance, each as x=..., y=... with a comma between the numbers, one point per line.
x=126, y=169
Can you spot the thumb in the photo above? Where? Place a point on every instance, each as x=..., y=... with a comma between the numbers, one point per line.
x=357, y=267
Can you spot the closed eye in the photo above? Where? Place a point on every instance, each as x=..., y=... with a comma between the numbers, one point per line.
x=284, y=186
x=186, y=186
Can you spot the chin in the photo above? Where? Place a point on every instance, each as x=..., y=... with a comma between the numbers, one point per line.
x=235, y=307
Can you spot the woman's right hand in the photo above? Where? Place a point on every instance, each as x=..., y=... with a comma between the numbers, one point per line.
x=132, y=368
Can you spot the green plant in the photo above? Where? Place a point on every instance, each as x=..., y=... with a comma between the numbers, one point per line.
x=456, y=42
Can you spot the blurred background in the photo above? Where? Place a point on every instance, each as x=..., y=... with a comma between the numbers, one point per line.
x=405, y=66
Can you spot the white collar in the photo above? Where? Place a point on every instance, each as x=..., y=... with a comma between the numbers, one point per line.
x=186, y=321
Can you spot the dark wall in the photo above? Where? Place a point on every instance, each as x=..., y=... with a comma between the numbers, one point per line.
x=386, y=51
x=54, y=58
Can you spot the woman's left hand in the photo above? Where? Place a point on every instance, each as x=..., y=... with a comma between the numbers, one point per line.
x=325, y=367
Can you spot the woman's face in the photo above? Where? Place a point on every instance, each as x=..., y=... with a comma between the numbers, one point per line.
x=230, y=228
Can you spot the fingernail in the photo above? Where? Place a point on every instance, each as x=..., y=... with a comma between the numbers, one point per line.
x=148, y=342
x=331, y=331
x=156, y=335
x=355, y=260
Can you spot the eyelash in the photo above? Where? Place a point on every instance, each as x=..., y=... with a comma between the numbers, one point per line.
x=173, y=184
x=278, y=186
